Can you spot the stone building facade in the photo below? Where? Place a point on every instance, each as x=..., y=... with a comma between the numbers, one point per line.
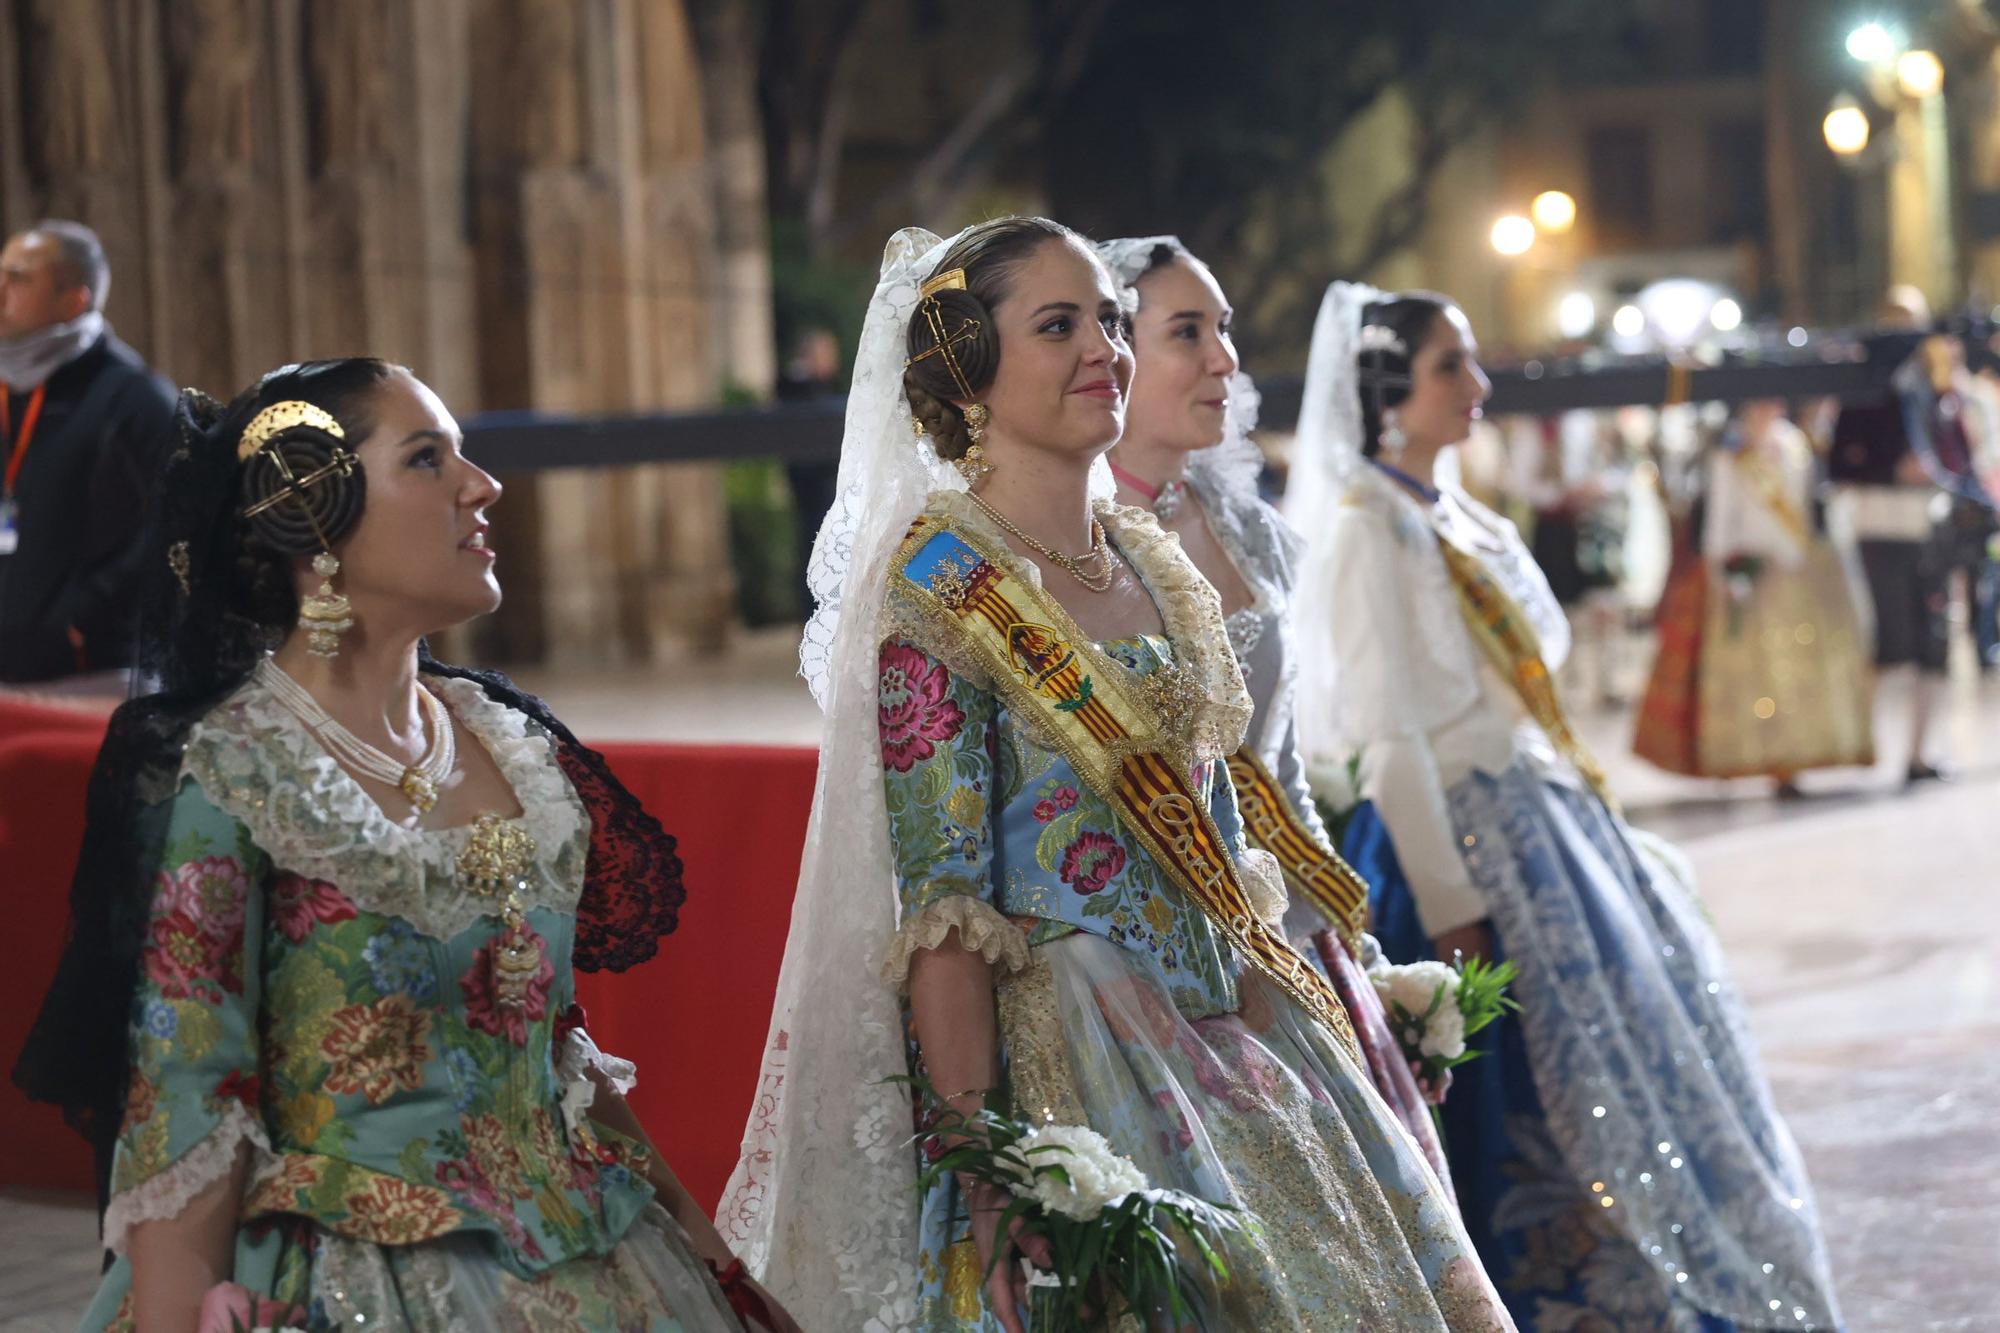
x=533, y=203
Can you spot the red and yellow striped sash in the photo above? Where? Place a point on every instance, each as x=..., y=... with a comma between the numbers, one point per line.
x=1501, y=629
x=1311, y=867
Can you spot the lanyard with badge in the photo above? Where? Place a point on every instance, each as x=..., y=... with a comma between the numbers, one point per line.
x=17, y=455
x=10, y=528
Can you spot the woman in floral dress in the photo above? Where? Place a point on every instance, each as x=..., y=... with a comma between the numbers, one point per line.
x=1023, y=832
x=1187, y=455
x=319, y=1010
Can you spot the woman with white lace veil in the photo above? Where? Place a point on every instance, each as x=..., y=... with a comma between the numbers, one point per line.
x=1187, y=455
x=1025, y=855
x=1616, y=1155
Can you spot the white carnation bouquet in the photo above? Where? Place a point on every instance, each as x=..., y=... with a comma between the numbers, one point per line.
x=1117, y=1244
x=1433, y=1007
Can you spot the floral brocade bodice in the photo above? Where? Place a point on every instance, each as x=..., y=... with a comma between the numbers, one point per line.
x=984, y=807
x=322, y=983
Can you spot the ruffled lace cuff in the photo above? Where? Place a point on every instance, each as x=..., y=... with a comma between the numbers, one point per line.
x=579, y=1056
x=980, y=928
x=168, y=1194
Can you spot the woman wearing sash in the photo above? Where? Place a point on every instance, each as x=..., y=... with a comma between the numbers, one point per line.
x=1025, y=827
x=317, y=1010
x=1763, y=666
x=1617, y=1158
x=1187, y=456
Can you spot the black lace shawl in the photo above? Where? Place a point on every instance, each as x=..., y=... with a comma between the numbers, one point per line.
x=77, y=1055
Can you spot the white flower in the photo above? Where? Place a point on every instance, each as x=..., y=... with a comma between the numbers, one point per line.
x=1097, y=1175
x=1414, y=986
x=1444, y=1033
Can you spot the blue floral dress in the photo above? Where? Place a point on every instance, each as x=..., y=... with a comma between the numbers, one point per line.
x=1123, y=1008
x=319, y=986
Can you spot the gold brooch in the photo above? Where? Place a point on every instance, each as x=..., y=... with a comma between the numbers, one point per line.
x=1174, y=694
x=497, y=855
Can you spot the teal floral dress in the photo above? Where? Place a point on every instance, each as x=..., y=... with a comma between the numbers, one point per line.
x=320, y=988
x=1123, y=1008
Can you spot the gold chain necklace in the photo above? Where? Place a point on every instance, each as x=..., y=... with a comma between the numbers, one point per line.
x=1100, y=549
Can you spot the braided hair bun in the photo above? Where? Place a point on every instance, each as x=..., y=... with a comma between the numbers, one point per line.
x=233, y=590
x=324, y=512
x=990, y=254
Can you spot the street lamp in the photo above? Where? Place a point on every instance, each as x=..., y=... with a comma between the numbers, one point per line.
x=1845, y=126
x=1554, y=212
x=1920, y=74
x=1871, y=43
x=1513, y=235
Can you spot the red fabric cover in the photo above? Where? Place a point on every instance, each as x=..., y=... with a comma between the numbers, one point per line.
x=43, y=775
x=692, y=1019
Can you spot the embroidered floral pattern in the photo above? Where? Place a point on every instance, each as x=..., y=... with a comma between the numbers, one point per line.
x=916, y=714
x=298, y=904
x=391, y=1211
x=377, y=1049
x=1089, y=863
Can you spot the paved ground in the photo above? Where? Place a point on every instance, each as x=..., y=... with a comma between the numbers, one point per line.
x=1863, y=924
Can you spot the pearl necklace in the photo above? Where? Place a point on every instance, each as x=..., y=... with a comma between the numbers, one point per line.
x=418, y=782
x=1100, y=549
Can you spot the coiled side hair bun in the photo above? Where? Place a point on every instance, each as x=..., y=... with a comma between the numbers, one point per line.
x=991, y=254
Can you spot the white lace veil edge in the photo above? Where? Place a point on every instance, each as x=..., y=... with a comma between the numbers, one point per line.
x=1231, y=467
x=822, y=1204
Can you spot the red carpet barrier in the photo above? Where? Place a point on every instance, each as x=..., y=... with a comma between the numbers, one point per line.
x=692, y=1019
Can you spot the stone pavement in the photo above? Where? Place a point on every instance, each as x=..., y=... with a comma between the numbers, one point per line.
x=1863, y=925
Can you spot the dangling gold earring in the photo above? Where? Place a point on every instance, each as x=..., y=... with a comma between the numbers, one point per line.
x=974, y=463
x=325, y=615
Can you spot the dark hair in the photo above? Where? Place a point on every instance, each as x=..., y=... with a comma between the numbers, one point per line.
x=79, y=260
x=1385, y=373
x=991, y=254
x=234, y=593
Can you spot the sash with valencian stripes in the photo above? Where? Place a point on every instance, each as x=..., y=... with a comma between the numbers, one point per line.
x=1311, y=867
x=1504, y=634
x=1038, y=660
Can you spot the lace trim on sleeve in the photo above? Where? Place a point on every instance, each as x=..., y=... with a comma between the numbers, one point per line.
x=980, y=928
x=168, y=1194
x=578, y=1057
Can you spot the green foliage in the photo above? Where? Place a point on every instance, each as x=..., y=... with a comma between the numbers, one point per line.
x=763, y=542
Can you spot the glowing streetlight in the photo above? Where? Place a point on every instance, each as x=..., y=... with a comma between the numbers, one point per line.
x=1871, y=43
x=1920, y=74
x=1726, y=316
x=1576, y=315
x=1513, y=235
x=1845, y=126
x=1629, y=321
x=1554, y=212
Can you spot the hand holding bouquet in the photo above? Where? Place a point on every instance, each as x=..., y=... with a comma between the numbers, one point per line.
x=1113, y=1244
x=1433, y=1007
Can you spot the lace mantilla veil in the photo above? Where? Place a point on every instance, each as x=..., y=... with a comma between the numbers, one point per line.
x=823, y=1202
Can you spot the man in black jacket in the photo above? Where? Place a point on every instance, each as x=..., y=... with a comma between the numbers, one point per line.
x=83, y=423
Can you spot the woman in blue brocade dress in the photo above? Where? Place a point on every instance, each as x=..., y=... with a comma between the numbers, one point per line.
x=1617, y=1156
x=997, y=924
x=318, y=1013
